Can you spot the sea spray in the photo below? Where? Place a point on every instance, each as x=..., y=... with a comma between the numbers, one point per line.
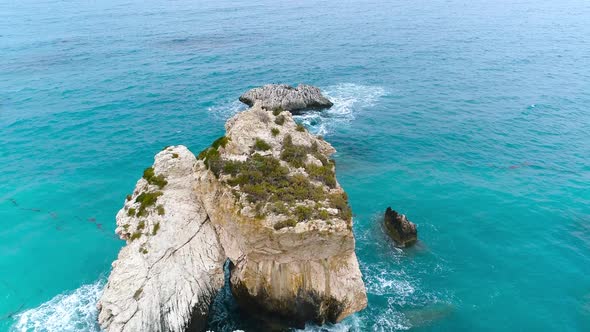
x=68, y=312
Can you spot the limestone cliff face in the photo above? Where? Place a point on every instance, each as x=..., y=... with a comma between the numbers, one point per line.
x=172, y=265
x=306, y=271
x=266, y=197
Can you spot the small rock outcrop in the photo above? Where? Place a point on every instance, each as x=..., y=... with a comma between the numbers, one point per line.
x=264, y=196
x=286, y=97
x=400, y=229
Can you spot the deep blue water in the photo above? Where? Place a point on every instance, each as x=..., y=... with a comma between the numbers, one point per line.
x=472, y=117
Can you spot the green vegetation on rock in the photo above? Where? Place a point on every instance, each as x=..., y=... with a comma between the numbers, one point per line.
x=271, y=187
x=275, y=131
x=151, y=178
x=296, y=155
x=280, y=120
x=324, y=174
x=300, y=127
x=211, y=156
x=285, y=223
x=277, y=111
x=146, y=200
x=221, y=141
x=261, y=145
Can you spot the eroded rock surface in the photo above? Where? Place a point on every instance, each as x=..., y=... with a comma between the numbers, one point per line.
x=292, y=99
x=400, y=229
x=286, y=226
x=265, y=196
x=172, y=265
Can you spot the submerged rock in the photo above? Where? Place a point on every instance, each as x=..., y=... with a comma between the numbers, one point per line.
x=264, y=196
x=400, y=229
x=286, y=97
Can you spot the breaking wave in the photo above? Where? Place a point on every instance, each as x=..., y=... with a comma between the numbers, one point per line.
x=69, y=312
x=349, y=99
x=227, y=109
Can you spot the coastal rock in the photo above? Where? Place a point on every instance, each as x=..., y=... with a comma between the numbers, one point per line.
x=172, y=266
x=274, y=96
x=400, y=229
x=291, y=257
x=264, y=196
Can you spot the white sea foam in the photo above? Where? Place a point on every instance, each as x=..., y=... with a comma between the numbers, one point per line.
x=349, y=99
x=226, y=110
x=69, y=312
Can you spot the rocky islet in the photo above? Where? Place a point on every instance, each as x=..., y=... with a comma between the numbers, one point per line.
x=264, y=196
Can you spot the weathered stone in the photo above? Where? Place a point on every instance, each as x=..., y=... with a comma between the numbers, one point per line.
x=400, y=229
x=273, y=96
x=193, y=218
x=172, y=266
x=304, y=273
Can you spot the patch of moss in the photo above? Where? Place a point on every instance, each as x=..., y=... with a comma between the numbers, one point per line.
x=160, y=209
x=141, y=225
x=285, y=223
x=300, y=127
x=151, y=178
x=261, y=145
x=135, y=236
x=323, y=214
x=128, y=198
x=277, y=110
x=280, y=120
x=275, y=131
x=131, y=212
x=175, y=155
x=146, y=200
x=143, y=251
x=156, y=228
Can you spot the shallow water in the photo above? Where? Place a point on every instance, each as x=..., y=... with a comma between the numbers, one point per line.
x=471, y=117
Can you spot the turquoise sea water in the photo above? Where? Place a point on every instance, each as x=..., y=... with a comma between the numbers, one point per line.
x=471, y=117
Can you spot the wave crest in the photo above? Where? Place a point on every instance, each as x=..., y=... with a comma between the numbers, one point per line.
x=69, y=312
x=348, y=99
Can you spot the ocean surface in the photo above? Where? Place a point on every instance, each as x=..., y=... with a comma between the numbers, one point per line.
x=471, y=117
